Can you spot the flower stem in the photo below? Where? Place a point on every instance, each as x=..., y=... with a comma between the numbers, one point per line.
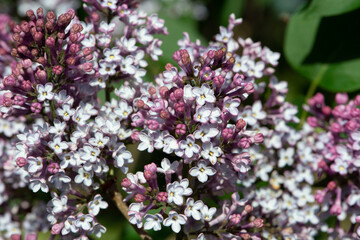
x=117, y=198
x=312, y=89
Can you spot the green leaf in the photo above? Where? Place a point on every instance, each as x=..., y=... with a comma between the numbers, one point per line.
x=322, y=44
x=229, y=7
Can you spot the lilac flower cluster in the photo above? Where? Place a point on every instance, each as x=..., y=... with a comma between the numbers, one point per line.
x=334, y=142
x=58, y=138
x=279, y=182
x=192, y=114
x=234, y=165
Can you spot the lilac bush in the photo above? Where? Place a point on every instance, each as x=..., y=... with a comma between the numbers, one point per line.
x=237, y=163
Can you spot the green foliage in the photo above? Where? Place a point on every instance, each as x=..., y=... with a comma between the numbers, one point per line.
x=322, y=44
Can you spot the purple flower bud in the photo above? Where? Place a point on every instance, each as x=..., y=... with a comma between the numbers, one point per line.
x=336, y=127
x=351, y=125
x=341, y=98
x=31, y=236
x=50, y=42
x=244, y=143
x=9, y=81
x=180, y=129
x=238, y=79
x=319, y=196
x=258, y=223
x=53, y=168
x=126, y=183
x=249, y=88
x=326, y=110
x=135, y=136
x=240, y=124
x=235, y=219
x=21, y=161
x=57, y=69
x=316, y=101
x=164, y=91
x=162, y=197
x=26, y=85
x=56, y=228
x=312, y=121
x=151, y=167
x=40, y=75
x=148, y=175
x=15, y=237
x=336, y=209
x=153, y=124
x=259, y=138
x=87, y=67
x=27, y=63
x=227, y=133
x=331, y=185
x=357, y=100
x=36, y=107
x=139, y=198
x=164, y=114
x=180, y=108
x=139, y=103
x=74, y=48
x=19, y=100
x=7, y=102
x=218, y=81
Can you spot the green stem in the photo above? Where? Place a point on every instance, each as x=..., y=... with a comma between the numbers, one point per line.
x=312, y=89
x=52, y=107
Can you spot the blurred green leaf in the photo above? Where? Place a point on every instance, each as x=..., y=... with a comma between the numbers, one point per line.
x=322, y=44
x=229, y=7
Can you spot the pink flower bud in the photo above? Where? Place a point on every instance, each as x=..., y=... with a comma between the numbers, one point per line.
x=57, y=69
x=312, y=121
x=180, y=108
x=135, y=136
x=319, y=196
x=151, y=167
x=326, y=110
x=244, y=143
x=351, y=125
x=336, y=209
x=53, y=168
x=218, y=81
x=15, y=237
x=259, y=138
x=36, y=107
x=26, y=85
x=248, y=208
x=162, y=197
x=21, y=161
x=235, y=219
x=126, y=183
x=336, y=127
x=180, y=129
x=164, y=91
x=139, y=198
x=238, y=79
x=164, y=114
x=40, y=75
x=227, y=133
x=139, y=103
x=258, y=223
x=168, y=67
x=331, y=185
x=50, y=42
x=240, y=124
x=56, y=228
x=19, y=100
x=153, y=124
x=341, y=98
x=249, y=88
